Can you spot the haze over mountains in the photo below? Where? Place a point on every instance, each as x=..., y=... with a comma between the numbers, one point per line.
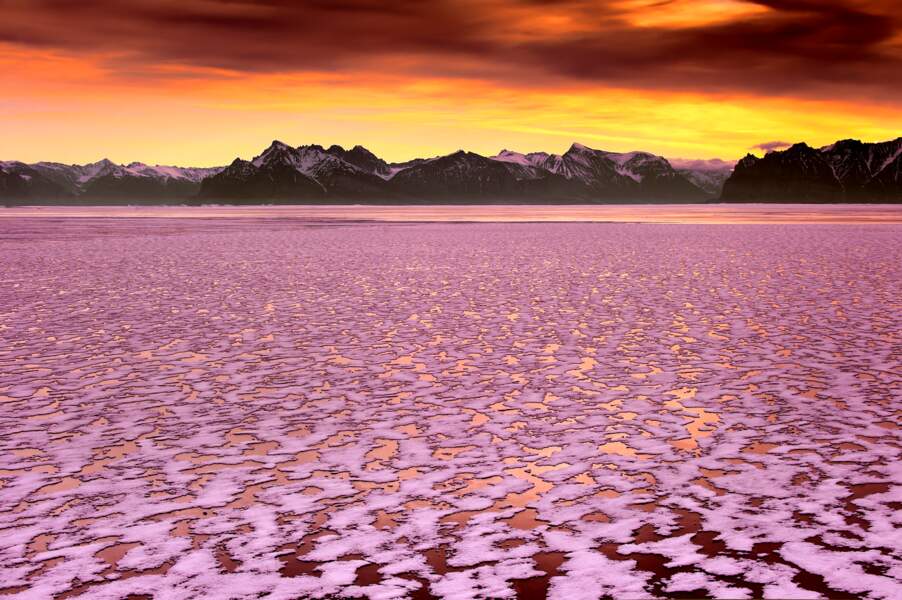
x=847, y=171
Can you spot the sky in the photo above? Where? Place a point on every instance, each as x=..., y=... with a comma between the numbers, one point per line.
x=199, y=82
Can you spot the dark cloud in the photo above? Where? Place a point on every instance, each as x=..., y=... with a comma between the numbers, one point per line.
x=826, y=48
x=770, y=146
x=798, y=48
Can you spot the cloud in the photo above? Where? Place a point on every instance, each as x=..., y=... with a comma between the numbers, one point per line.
x=823, y=49
x=771, y=146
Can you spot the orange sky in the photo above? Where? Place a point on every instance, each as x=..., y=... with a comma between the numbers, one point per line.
x=200, y=82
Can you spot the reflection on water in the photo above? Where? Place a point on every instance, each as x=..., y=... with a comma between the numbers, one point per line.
x=447, y=410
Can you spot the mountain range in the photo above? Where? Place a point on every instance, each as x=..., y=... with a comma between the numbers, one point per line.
x=847, y=171
x=282, y=173
x=314, y=174
x=99, y=182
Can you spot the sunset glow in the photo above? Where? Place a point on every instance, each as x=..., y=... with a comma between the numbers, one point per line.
x=200, y=82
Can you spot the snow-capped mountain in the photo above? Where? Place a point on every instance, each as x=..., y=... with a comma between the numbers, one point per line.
x=243, y=182
x=581, y=174
x=304, y=173
x=533, y=159
x=469, y=177
x=20, y=183
x=708, y=175
x=847, y=171
x=594, y=168
x=363, y=159
x=312, y=173
x=101, y=180
x=624, y=175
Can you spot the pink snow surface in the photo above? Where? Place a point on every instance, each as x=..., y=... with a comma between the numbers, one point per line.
x=224, y=409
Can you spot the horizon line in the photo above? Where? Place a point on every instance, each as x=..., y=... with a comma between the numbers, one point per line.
x=732, y=162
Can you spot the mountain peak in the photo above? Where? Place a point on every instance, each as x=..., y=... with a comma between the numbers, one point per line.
x=279, y=145
x=360, y=158
x=799, y=147
x=532, y=160
x=277, y=151
x=276, y=148
x=847, y=145
x=577, y=147
x=359, y=152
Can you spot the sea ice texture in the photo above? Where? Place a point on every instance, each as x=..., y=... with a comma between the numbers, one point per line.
x=237, y=408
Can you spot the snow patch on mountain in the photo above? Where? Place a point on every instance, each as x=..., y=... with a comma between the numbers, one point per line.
x=697, y=164
x=533, y=159
x=627, y=161
x=193, y=174
x=82, y=175
x=889, y=160
x=312, y=160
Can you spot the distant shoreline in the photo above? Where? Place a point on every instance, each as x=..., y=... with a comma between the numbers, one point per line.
x=746, y=213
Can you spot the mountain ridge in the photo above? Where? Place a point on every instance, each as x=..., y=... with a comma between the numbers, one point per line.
x=581, y=174
x=312, y=173
x=847, y=170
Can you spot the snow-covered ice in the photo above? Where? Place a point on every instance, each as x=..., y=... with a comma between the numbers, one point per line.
x=196, y=408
